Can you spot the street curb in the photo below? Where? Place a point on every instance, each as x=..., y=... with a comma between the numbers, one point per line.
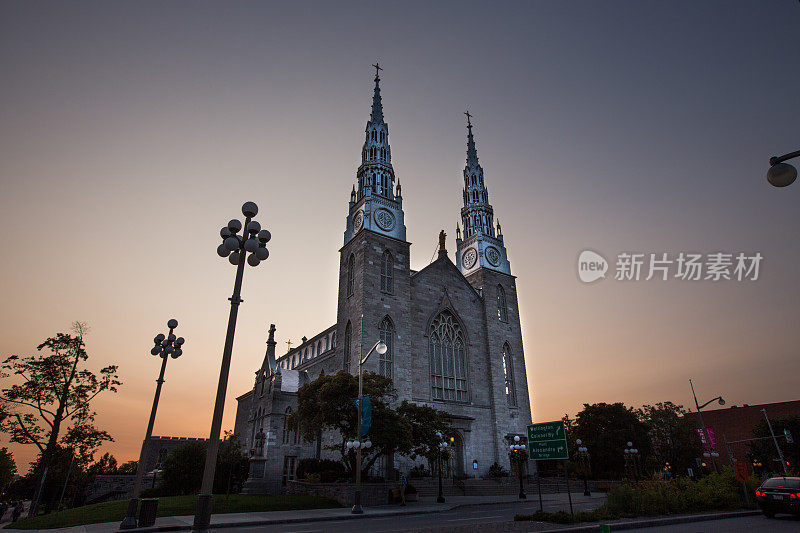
x=275, y=521
x=652, y=522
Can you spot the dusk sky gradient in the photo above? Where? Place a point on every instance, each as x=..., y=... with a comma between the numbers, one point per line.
x=130, y=132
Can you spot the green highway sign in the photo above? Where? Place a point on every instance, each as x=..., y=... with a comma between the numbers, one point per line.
x=547, y=440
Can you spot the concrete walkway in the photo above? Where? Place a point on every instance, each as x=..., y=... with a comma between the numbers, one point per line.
x=428, y=505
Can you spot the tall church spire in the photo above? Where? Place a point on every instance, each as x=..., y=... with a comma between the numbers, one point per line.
x=377, y=105
x=481, y=245
x=376, y=178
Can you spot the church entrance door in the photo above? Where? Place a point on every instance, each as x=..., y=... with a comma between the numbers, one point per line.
x=455, y=463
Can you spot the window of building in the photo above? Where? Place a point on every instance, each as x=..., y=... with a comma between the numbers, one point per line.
x=387, y=336
x=351, y=267
x=508, y=374
x=387, y=272
x=446, y=350
x=502, y=309
x=348, y=340
x=287, y=427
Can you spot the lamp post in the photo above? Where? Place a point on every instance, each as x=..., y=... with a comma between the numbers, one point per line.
x=442, y=446
x=381, y=348
x=583, y=455
x=782, y=174
x=165, y=346
x=631, y=454
x=703, y=425
x=253, y=240
x=518, y=453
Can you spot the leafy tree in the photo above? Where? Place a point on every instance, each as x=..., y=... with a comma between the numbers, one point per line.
x=605, y=428
x=327, y=404
x=7, y=468
x=50, y=405
x=672, y=437
x=182, y=470
x=764, y=450
x=233, y=466
x=107, y=464
x=128, y=468
x=422, y=422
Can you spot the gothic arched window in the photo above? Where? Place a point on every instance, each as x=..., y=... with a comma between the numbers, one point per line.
x=508, y=374
x=351, y=274
x=446, y=350
x=502, y=309
x=387, y=272
x=348, y=338
x=387, y=336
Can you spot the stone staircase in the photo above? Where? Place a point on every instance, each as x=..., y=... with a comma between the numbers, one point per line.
x=429, y=487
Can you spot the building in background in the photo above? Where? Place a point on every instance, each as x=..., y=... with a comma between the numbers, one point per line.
x=452, y=329
x=736, y=424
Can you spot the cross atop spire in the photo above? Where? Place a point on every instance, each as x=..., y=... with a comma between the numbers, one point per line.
x=377, y=105
x=472, y=152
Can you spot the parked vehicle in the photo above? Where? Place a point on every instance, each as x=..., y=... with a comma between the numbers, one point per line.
x=779, y=495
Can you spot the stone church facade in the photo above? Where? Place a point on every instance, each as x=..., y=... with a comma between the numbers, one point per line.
x=452, y=328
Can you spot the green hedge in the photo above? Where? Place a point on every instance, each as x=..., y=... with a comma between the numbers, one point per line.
x=716, y=492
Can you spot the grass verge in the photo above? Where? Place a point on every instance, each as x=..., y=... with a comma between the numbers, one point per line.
x=174, y=506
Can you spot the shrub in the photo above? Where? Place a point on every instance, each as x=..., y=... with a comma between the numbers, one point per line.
x=496, y=471
x=320, y=470
x=716, y=492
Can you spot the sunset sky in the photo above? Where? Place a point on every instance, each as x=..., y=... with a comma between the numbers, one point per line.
x=130, y=132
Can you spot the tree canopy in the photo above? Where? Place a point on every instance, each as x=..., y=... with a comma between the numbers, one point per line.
x=606, y=428
x=54, y=389
x=673, y=437
x=327, y=404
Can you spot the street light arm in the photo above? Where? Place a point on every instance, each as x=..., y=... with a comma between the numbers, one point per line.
x=379, y=347
x=774, y=160
x=709, y=401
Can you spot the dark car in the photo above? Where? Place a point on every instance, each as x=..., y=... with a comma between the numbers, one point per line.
x=779, y=495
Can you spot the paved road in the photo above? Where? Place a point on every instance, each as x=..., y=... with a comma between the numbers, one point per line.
x=749, y=524
x=468, y=515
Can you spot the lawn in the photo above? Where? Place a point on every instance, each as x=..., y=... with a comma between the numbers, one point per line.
x=174, y=506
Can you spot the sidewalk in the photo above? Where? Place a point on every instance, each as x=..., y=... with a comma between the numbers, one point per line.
x=182, y=523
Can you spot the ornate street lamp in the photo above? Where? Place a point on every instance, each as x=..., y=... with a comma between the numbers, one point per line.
x=782, y=174
x=518, y=453
x=583, y=455
x=631, y=455
x=381, y=348
x=166, y=346
x=442, y=446
x=253, y=241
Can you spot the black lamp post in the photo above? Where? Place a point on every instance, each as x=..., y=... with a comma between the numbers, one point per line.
x=631, y=454
x=583, y=454
x=518, y=452
x=166, y=346
x=442, y=448
x=253, y=241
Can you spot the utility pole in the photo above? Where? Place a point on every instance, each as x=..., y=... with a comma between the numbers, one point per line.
x=775, y=440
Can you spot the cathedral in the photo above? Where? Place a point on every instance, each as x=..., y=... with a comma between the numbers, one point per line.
x=452, y=328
